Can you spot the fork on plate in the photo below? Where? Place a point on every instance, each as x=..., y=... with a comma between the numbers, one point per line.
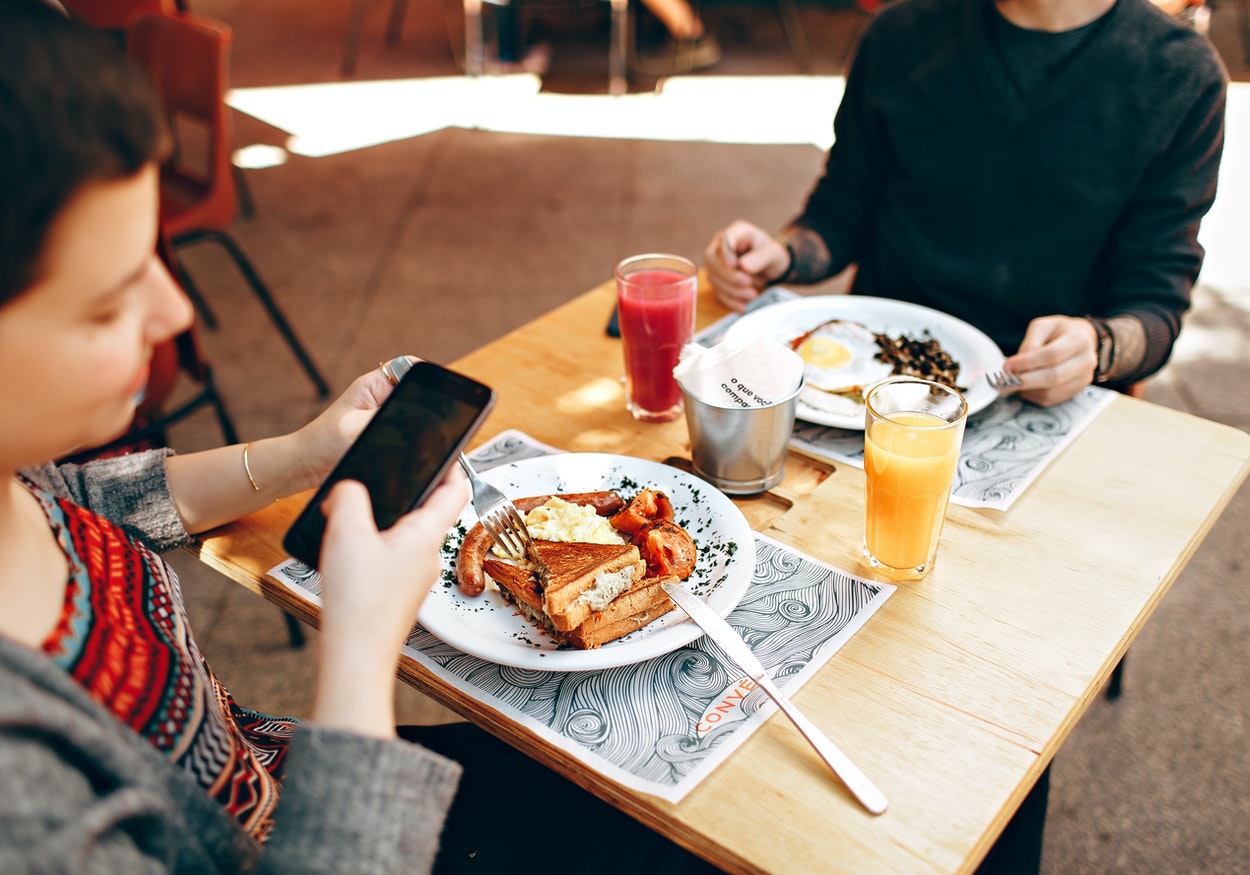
x=498, y=515
x=1002, y=381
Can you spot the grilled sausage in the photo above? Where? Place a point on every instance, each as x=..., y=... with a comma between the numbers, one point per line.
x=477, y=542
x=473, y=550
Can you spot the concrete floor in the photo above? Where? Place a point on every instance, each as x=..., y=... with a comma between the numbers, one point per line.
x=477, y=206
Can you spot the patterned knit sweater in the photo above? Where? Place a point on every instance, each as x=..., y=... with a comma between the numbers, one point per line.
x=114, y=737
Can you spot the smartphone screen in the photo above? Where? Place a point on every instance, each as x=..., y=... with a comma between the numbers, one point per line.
x=403, y=452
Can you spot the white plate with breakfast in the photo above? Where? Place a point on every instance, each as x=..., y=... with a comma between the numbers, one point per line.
x=493, y=627
x=843, y=340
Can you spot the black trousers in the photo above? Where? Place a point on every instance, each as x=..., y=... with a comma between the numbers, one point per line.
x=510, y=807
x=1018, y=850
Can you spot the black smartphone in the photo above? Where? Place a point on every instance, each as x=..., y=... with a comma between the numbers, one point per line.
x=403, y=452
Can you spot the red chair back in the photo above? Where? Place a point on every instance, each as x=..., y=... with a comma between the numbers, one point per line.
x=114, y=14
x=187, y=58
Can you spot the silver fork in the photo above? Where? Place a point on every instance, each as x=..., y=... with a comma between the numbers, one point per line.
x=1002, y=381
x=498, y=515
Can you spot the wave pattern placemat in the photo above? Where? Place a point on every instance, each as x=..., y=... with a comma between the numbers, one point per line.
x=1006, y=446
x=662, y=725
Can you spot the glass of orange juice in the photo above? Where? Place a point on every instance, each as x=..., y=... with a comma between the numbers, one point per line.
x=912, y=435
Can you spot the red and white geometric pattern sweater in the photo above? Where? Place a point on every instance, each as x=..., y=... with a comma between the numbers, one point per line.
x=123, y=636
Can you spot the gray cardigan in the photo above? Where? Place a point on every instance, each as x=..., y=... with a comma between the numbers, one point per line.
x=81, y=792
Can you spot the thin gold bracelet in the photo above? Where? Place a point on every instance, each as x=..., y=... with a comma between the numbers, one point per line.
x=247, y=466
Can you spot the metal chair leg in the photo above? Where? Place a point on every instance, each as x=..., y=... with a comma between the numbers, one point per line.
x=395, y=25
x=197, y=300
x=474, y=42
x=294, y=631
x=247, y=206
x=618, y=50
x=1115, y=685
x=351, y=44
x=219, y=408
x=796, y=36
x=266, y=299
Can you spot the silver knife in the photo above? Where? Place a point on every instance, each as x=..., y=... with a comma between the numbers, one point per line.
x=737, y=650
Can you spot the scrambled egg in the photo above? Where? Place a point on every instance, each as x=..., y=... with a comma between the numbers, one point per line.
x=560, y=520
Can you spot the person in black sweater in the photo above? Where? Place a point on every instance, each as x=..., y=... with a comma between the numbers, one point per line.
x=1038, y=168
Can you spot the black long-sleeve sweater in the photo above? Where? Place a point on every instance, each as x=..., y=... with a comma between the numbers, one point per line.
x=1084, y=197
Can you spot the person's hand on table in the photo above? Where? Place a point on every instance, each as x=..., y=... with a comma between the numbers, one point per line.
x=1056, y=359
x=373, y=585
x=742, y=261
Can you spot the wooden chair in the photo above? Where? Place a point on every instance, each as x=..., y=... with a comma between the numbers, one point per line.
x=187, y=58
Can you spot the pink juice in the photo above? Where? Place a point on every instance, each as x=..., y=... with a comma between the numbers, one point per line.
x=657, y=319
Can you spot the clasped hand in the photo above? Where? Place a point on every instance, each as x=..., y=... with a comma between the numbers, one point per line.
x=742, y=261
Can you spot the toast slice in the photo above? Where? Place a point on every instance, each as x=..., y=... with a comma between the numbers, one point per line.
x=578, y=579
x=628, y=612
x=520, y=587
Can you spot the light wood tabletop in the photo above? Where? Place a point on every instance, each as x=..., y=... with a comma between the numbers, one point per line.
x=957, y=692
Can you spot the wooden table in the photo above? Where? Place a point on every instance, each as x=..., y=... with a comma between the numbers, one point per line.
x=955, y=695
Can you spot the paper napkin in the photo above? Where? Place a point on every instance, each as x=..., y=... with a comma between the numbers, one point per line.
x=754, y=373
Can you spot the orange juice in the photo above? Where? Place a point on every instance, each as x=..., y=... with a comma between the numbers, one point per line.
x=909, y=461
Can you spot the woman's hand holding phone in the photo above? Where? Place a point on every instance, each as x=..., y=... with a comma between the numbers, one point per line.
x=212, y=487
x=405, y=449
x=324, y=440
x=378, y=556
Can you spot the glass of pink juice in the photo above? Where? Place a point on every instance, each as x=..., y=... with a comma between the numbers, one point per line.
x=655, y=299
x=912, y=435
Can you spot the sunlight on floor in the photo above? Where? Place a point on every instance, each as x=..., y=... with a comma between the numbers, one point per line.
x=325, y=119
x=1214, y=344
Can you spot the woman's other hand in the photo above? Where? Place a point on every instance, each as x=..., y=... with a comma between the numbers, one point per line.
x=323, y=441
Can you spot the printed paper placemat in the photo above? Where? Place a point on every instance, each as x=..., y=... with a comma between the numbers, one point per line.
x=1006, y=446
x=662, y=725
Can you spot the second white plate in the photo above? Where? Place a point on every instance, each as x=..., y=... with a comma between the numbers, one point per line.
x=970, y=347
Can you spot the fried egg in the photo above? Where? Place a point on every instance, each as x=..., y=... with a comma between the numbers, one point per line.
x=841, y=356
